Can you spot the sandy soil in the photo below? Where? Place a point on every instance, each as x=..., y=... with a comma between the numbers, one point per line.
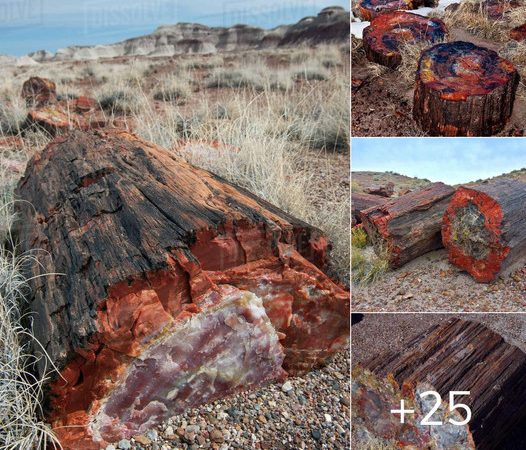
x=382, y=106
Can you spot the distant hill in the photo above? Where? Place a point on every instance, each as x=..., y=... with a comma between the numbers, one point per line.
x=332, y=24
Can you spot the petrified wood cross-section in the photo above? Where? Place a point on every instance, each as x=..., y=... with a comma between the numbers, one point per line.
x=408, y=226
x=369, y=9
x=388, y=32
x=484, y=227
x=463, y=90
x=172, y=287
x=460, y=355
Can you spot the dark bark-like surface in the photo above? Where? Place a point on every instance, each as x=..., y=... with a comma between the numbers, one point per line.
x=519, y=33
x=148, y=252
x=361, y=201
x=463, y=90
x=408, y=226
x=369, y=9
x=462, y=355
x=484, y=228
x=387, y=32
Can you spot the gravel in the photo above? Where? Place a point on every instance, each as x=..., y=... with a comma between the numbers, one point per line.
x=307, y=412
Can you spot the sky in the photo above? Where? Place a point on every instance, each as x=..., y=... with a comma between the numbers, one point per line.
x=29, y=25
x=451, y=160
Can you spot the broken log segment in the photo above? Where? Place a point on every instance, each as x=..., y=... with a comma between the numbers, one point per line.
x=369, y=9
x=177, y=287
x=463, y=90
x=459, y=355
x=374, y=397
x=408, y=226
x=39, y=92
x=388, y=32
x=361, y=201
x=484, y=227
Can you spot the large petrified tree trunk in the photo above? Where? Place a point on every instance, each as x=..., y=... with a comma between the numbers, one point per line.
x=408, y=226
x=387, y=32
x=361, y=201
x=463, y=90
x=484, y=227
x=172, y=287
x=460, y=355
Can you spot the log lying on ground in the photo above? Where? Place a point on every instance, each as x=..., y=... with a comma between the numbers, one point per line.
x=519, y=33
x=178, y=288
x=361, y=201
x=369, y=9
x=484, y=227
x=408, y=226
x=463, y=90
x=497, y=9
x=460, y=355
x=374, y=426
x=383, y=190
x=390, y=31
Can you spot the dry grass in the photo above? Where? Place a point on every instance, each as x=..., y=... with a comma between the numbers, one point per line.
x=410, y=52
x=173, y=89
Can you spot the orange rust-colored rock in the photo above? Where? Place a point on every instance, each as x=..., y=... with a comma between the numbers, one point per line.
x=387, y=32
x=409, y=226
x=179, y=287
x=39, y=92
x=484, y=227
x=463, y=90
x=519, y=33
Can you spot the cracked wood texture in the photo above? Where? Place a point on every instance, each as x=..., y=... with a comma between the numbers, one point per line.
x=387, y=32
x=408, y=226
x=484, y=227
x=463, y=90
x=172, y=287
x=459, y=355
x=361, y=201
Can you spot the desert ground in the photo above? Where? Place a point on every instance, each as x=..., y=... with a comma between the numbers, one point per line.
x=428, y=283
x=275, y=122
x=382, y=98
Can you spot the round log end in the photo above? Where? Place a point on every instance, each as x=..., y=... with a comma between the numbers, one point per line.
x=471, y=234
x=463, y=90
x=387, y=32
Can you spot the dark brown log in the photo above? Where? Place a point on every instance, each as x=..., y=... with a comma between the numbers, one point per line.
x=388, y=32
x=408, y=226
x=519, y=33
x=361, y=201
x=484, y=227
x=497, y=9
x=463, y=90
x=369, y=9
x=460, y=355
x=39, y=92
x=374, y=397
x=172, y=286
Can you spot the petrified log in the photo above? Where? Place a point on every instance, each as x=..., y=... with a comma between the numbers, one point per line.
x=374, y=397
x=497, y=9
x=463, y=90
x=409, y=226
x=387, y=32
x=39, y=91
x=460, y=355
x=519, y=33
x=383, y=190
x=177, y=288
x=361, y=201
x=484, y=227
x=369, y=9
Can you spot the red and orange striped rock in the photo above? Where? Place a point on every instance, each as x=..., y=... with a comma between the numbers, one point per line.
x=463, y=90
x=484, y=228
x=387, y=32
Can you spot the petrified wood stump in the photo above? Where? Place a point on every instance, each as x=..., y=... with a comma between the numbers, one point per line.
x=38, y=91
x=408, y=226
x=461, y=355
x=369, y=9
x=519, y=33
x=173, y=287
x=374, y=397
x=463, y=90
x=484, y=227
x=387, y=32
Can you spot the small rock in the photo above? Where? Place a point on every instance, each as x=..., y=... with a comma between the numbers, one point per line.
x=124, y=444
x=262, y=419
x=110, y=447
x=193, y=429
x=152, y=434
x=316, y=434
x=287, y=386
x=169, y=430
x=141, y=439
x=216, y=436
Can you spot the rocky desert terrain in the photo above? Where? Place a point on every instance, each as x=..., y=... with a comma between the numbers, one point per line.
x=263, y=110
